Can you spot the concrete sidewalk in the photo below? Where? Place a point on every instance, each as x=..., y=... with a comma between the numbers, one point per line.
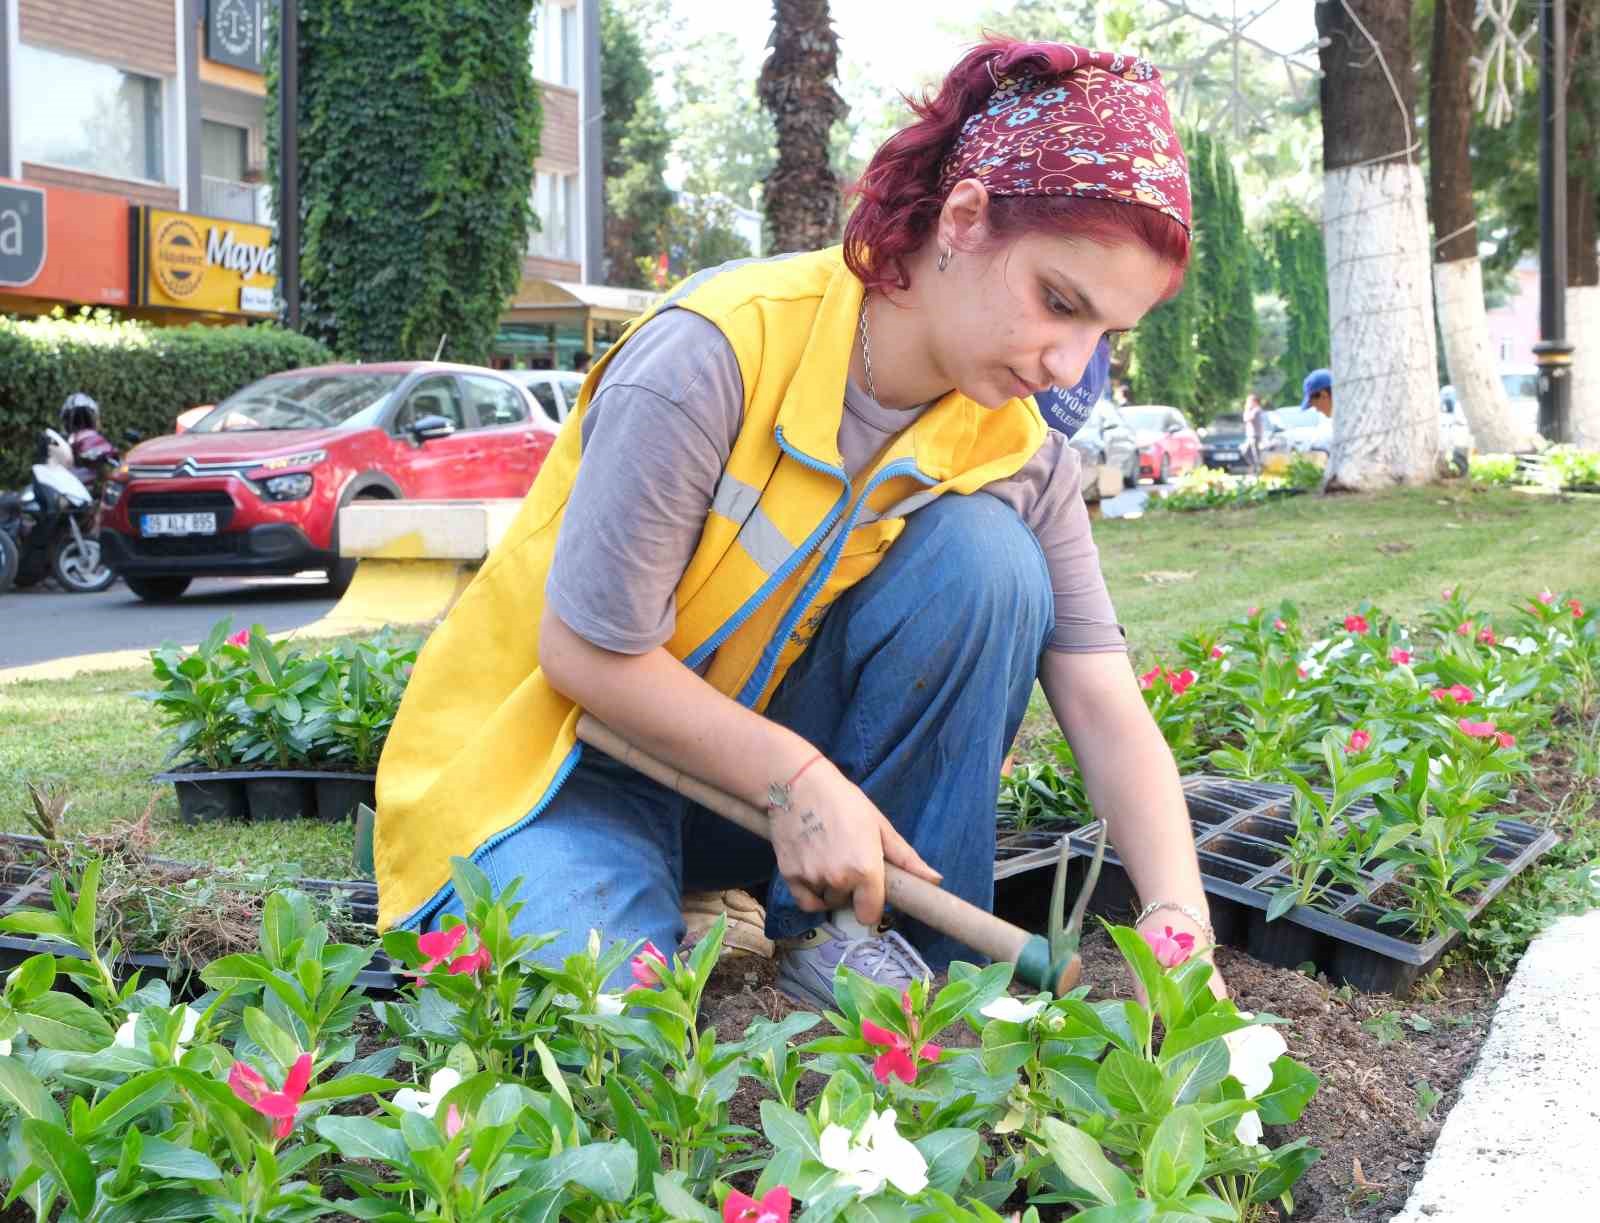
x=1522, y=1141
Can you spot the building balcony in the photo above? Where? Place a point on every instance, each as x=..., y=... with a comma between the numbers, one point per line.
x=235, y=201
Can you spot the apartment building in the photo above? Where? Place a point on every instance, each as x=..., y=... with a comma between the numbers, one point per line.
x=133, y=168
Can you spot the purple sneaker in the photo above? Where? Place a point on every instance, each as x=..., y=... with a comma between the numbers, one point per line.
x=806, y=964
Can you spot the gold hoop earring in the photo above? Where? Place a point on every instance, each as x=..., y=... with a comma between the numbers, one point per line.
x=944, y=258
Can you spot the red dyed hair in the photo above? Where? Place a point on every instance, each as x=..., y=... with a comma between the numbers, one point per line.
x=899, y=202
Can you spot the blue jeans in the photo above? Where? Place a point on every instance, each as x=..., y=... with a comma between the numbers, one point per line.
x=914, y=686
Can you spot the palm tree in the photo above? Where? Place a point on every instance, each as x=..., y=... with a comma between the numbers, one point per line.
x=1386, y=411
x=1457, y=274
x=797, y=87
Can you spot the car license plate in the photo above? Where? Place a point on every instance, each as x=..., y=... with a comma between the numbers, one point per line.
x=1225, y=455
x=178, y=524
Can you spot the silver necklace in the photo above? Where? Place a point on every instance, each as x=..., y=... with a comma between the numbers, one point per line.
x=866, y=351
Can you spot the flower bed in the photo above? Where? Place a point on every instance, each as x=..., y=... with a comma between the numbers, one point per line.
x=502, y=1088
x=263, y=730
x=1209, y=488
x=1391, y=753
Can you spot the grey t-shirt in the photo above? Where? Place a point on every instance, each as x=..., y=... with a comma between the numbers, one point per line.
x=656, y=437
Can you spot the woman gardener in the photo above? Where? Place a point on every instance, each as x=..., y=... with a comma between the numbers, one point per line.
x=807, y=538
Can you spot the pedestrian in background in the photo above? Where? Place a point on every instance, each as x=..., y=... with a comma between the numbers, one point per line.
x=1255, y=431
x=1318, y=392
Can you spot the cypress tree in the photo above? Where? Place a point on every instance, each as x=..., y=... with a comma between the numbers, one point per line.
x=1163, y=353
x=1225, y=326
x=1292, y=242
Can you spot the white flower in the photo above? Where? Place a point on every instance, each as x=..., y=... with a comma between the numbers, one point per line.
x=1012, y=1010
x=877, y=1155
x=1248, y=1131
x=608, y=1004
x=1522, y=645
x=426, y=1103
x=1251, y=1052
x=5, y=1047
x=124, y=1037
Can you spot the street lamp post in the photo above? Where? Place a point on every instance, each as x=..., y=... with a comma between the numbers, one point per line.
x=289, y=161
x=1553, y=353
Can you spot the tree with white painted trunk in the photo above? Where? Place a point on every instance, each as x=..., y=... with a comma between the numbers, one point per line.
x=1457, y=273
x=1385, y=386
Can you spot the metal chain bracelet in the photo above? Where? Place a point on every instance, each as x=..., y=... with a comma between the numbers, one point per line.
x=1189, y=911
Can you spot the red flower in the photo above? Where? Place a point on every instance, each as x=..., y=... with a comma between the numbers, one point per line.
x=773, y=1207
x=1486, y=636
x=1148, y=679
x=1478, y=730
x=1171, y=949
x=897, y=1058
x=472, y=962
x=1575, y=607
x=439, y=946
x=1301, y=670
x=281, y=1106
x=646, y=966
x=1279, y=624
x=1459, y=693
x=1399, y=657
x=1180, y=682
x=1464, y=629
x=1547, y=597
x=1360, y=741
x=1506, y=739
x=242, y=637
x=1218, y=652
x=1355, y=622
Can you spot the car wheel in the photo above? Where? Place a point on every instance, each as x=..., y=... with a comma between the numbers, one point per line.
x=343, y=571
x=79, y=567
x=1165, y=470
x=8, y=561
x=1130, y=473
x=159, y=590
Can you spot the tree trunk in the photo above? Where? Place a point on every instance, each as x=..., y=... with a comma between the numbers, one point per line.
x=1583, y=261
x=1457, y=275
x=1386, y=411
x=796, y=86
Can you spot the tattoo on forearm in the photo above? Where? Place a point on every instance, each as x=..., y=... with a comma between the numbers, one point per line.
x=810, y=825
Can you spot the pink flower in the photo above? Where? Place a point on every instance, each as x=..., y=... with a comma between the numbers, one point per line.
x=1447, y=593
x=452, y=1121
x=473, y=962
x=1464, y=629
x=1486, y=636
x=1218, y=652
x=1253, y=612
x=439, y=946
x=897, y=1058
x=773, y=1207
x=281, y=1106
x=1171, y=949
x=1355, y=622
x=1459, y=693
x=1399, y=657
x=1506, y=739
x=1279, y=624
x=646, y=966
x=1360, y=741
x=241, y=638
x=1478, y=730
x=1575, y=607
x=1547, y=597
x=1303, y=673
x=1180, y=682
x=1148, y=679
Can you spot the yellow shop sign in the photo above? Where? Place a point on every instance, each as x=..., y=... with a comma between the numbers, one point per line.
x=188, y=262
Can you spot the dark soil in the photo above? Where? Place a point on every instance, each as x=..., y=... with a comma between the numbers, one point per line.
x=1390, y=1070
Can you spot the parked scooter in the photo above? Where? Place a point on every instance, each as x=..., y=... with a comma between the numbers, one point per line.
x=53, y=525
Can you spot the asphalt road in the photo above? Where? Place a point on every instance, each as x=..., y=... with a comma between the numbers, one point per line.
x=44, y=623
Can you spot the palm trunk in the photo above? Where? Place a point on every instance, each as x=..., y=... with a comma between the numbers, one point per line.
x=1386, y=413
x=796, y=86
x=1457, y=274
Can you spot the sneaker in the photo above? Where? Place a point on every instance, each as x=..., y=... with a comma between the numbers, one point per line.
x=806, y=964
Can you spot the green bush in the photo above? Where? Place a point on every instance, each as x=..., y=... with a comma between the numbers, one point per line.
x=1493, y=469
x=142, y=376
x=1569, y=467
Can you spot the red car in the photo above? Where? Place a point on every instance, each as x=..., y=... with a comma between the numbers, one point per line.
x=1167, y=445
x=256, y=486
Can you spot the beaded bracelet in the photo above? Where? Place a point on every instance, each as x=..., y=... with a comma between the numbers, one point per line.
x=1189, y=911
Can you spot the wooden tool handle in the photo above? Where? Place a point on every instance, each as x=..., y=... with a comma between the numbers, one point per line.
x=927, y=902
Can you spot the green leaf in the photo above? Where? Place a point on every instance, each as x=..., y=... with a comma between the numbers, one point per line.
x=1176, y=1154
x=348, y=1086
x=63, y=1160
x=122, y=1105
x=634, y=1128
x=1285, y=1167
x=1288, y=1094
x=1007, y=1046
x=1122, y=1212
x=32, y=977
x=1195, y=1071
x=279, y=1045
x=949, y=1154
x=605, y=1169
x=1210, y=1026
x=36, y=921
x=1132, y=1084
x=788, y=1130
x=1073, y=1081
x=235, y=970
x=20, y=1090
x=363, y=1138
x=169, y=1161
x=1282, y=901
x=83, y=913
x=679, y=1203
x=1084, y=1164
x=60, y=1021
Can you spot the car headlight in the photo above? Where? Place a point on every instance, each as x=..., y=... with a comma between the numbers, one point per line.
x=309, y=459
x=111, y=494
x=287, y=488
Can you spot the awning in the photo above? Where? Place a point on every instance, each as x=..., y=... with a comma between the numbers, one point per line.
x=539, y=300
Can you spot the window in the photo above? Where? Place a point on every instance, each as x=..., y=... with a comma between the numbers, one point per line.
x=555, y=203
x=435, y=396
x=570, y=387
x=554, y=49
x=223, y=150
x=546, y=395
x=89, y=116
x=497, y=402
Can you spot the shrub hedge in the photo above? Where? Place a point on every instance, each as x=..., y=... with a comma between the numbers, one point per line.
x=142, y=375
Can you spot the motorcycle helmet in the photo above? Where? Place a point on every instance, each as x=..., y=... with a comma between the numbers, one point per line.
x=79, y=411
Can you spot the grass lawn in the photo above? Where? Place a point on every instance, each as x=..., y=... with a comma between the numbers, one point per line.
x=1168, y=573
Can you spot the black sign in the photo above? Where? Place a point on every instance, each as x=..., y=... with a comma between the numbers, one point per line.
x=233, y=33
x=21, y=234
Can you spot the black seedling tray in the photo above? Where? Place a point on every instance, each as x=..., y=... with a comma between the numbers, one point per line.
x=26, y=885
x=1242, y=830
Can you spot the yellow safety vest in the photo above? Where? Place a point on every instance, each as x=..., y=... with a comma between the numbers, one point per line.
x=483, y=742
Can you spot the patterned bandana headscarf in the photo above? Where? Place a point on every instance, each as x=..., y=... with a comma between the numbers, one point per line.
x=1101, y=130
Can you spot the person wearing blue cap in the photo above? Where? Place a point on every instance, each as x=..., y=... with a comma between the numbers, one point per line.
x=1318, y=392
x=1066, y=410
